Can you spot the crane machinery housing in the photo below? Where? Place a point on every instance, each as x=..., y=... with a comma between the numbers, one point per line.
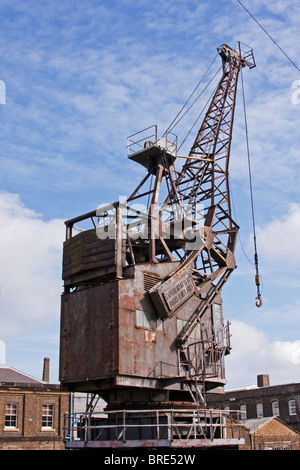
x=141, y=313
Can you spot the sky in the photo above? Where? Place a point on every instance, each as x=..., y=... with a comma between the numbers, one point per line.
x=77, y=78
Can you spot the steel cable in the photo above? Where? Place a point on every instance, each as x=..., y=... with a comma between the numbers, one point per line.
x=257, y=276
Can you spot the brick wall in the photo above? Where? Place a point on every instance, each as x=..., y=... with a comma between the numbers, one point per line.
x=30, y=432
x=275, y=434
x=282, y=394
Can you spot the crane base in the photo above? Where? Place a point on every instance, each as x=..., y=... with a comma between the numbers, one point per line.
x=164, y=427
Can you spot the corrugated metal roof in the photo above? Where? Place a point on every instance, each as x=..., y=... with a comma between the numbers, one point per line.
x=10, y=375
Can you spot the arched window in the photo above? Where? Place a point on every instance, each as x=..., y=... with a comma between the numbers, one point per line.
x=292, y=407
x=243, y=409
x=259, y=410
x=275, y=408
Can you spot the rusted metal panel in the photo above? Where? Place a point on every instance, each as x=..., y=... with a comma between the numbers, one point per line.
x=174, y=292
x=114, y=331
x=102, y=334
x=89, y=341
x=86, y=252
x=141, y=327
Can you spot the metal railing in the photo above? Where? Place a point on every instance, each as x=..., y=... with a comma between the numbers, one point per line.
x=148, y=137
x=137, y=141
x=155, y=424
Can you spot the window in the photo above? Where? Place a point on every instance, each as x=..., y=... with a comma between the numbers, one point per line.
x=259, y=410
x=275, y=408
x=11, y=415
x=195, y=334
x=218, y=322
x=148, y=320
x=292, y=407
x=243, y=410
x=47, y=416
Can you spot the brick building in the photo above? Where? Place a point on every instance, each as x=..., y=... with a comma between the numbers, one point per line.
x=271, y=434
x=265, y=401
x=31, y=411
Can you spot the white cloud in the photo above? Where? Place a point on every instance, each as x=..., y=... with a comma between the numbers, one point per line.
x=254, y=353
x=279, y=239
x=30, y=269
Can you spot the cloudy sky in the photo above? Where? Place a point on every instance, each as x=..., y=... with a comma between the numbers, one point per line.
x=76, y=79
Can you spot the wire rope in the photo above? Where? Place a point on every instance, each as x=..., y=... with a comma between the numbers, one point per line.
x=273, y=40
x=200, y=114
x=257, y=276
x=177, y=119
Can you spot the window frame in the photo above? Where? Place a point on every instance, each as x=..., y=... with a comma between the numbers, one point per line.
x=46, y=416
x=11, y=415
x=196, y=333
x=259, y=410
x=275, y=408
x=292, y=407
x=243, y=410
x=148, y=321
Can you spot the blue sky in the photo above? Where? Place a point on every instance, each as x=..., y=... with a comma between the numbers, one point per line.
x=82, y=76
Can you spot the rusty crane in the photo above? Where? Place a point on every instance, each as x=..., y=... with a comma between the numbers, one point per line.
x=141, y=316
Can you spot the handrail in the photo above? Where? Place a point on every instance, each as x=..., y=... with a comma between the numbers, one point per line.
x=179, y=423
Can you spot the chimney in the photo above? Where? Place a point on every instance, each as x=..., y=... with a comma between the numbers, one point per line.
x=46, y=369
x=263, y=380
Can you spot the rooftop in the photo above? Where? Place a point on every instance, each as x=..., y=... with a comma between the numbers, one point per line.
x=8, y=375
x=256, y=423
x=236, y=389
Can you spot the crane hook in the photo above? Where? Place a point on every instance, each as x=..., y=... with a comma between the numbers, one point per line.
x=259, y=302
x=259, y=297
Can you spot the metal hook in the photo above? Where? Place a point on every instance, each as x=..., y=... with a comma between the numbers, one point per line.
x=257, y=282
x=259, y=301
